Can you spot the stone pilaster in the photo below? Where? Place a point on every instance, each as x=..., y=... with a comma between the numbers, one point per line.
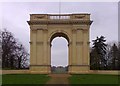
x=79, y=44
x=33, y=47
x=85, y=49
x=45, y=46
x=74, y=59
x=39, y=47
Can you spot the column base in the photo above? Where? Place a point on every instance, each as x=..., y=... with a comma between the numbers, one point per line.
x=79, y=69
x=40, y=69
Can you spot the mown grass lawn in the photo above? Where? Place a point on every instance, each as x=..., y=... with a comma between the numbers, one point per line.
x=24, y=79
x=95, y=79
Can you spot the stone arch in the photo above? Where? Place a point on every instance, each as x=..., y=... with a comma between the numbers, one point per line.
x=59, y=33
x=73, y=27
x=66, y=38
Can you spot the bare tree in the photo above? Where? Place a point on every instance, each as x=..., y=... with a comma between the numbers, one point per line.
x=21, y=55
x=109, y=56
x=14, y=54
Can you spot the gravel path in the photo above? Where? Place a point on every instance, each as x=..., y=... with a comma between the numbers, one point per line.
x=58, y=79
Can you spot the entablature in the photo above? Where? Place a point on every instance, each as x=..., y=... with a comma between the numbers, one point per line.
x=37, y=22
x=42, y=19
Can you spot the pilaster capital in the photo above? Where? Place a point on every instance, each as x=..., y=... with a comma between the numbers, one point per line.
x=85, y=30
x=74, y=30
x=49, y=43
x=45, y=30
x=79, y=28
x=40, y=43
x=30, y=42
x=34, y=30
x=88, y=42
x=39, y=28
x=79, y=43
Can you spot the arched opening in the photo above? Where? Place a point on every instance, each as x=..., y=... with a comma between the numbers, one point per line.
x=59, y=53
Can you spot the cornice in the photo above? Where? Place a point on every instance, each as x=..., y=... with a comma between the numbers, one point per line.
x=67, y=21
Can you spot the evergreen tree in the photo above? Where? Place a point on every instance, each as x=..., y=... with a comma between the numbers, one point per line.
x=114, y=52
x=118, y=64
x=98, y=52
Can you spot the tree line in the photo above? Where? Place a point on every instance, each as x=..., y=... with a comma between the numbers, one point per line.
x=104, y=56
x=14, y=54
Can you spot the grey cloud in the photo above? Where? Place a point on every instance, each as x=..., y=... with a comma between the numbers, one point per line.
x=104, y=15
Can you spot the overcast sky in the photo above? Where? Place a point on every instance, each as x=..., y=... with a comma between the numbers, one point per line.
x=104, y=16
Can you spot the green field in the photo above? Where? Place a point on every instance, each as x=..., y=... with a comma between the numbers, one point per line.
x=94, y=79
x=24, y=79
x=81, y=79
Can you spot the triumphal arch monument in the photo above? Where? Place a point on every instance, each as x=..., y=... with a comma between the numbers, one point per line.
x=73, y=27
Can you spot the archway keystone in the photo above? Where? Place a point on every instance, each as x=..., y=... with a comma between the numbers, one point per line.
x=45, y=27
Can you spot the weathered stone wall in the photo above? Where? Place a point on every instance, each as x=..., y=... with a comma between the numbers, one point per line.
x=45, y=27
